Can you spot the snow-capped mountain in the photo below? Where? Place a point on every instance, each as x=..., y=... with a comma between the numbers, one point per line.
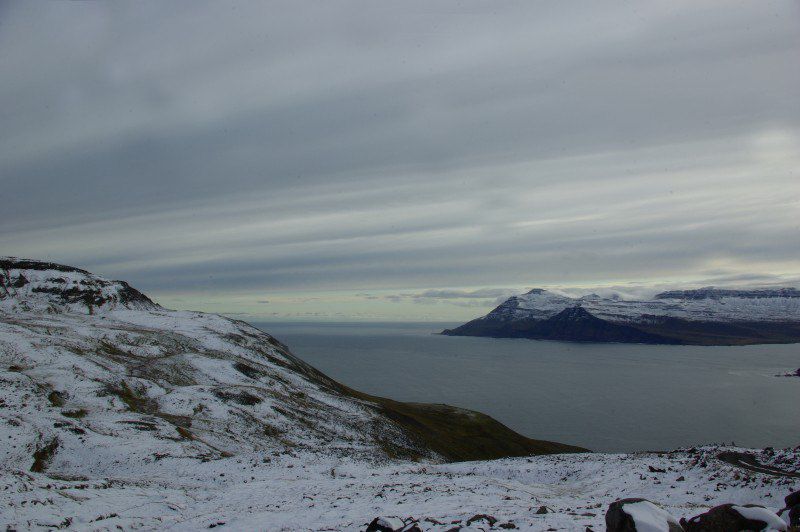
x=702, y=316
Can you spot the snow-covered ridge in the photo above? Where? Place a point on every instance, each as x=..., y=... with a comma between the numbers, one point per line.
x=718, y=293
x=97, y=379
x=31, y=285
x=705, y=304
x=118, y=389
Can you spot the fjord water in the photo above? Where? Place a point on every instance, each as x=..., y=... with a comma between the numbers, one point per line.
x=607, y=397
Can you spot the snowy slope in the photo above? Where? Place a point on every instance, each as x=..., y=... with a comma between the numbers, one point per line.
x=310, y=492
x=706, y=304
x=121, y=387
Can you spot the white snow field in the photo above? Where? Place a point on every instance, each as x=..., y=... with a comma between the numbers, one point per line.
x=118, y=414
x=311, y=491
x=707, y=304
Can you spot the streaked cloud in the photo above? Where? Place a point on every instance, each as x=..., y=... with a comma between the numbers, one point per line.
x=223, y=155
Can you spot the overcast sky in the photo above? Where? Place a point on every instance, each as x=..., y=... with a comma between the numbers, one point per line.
x=401, y=160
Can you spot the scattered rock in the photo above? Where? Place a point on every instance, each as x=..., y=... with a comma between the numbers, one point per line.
x=542, y=510
x=637, y=515
x=656, y=470
x=482, y=517
x=393, y=524
x=385, y=524
x=733, y=518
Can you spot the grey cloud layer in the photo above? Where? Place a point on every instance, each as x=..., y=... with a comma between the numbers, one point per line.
x=199, y=146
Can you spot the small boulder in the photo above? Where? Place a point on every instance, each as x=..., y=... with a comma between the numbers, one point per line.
x=794, y=515
x=734, y=518
x=392, y=524
x=490, y=520
x=792, y=500
x=637, y=515
x=542, y=510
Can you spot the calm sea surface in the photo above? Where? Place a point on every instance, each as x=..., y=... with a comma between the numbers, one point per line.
x=607, y=397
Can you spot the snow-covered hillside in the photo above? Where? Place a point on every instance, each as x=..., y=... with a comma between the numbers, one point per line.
x=117, y=413
x=120, y=383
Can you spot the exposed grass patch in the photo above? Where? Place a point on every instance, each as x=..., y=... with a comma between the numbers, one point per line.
x=242, y=397
x=56, y=399
x=248, y=371
x=184, y=433
x=272, y=432
x=43, y=455
x=135, y=399
x=162, y=370
x=178, y=421
x=115, y=353
x=75, y=414
x=141, y=425
x=456, y=434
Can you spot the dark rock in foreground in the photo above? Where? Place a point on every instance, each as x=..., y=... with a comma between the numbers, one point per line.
x=636, y=515
x=793, y=499
x=733, y=518
x=393, y=524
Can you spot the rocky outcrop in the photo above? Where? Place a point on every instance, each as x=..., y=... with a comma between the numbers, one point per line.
x=30, y=285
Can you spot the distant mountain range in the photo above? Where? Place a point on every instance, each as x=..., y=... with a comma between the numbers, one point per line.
x=706, y=316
